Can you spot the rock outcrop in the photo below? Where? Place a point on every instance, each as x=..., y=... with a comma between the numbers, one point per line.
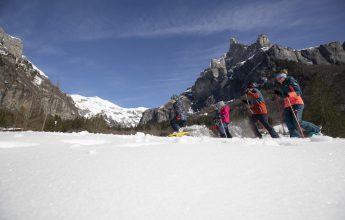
x=163, y=113
x=11, y=44
x=26, y=89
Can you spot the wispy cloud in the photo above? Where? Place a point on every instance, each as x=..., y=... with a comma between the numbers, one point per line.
x=131, y=99
x=48, y=50
x=192, y=58
x=87, y=62
x=89, y=24
x=223, y=17
x=165, y=84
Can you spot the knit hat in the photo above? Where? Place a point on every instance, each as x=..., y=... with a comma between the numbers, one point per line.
x=284, y=71
x=220, y=104
x=281, y=75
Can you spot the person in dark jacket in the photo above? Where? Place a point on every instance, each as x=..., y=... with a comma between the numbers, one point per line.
x=179, y=118
x=291, y=92
x=223, y=119
x=258, y=109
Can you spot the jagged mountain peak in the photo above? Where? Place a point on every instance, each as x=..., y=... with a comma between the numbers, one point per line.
x=240, y=52
x=261, y=41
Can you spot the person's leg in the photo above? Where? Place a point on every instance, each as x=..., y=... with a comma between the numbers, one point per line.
x=308, y=126
x=221, y=130
x=289, y=121
x=227, y=130
x=179, y=124
x=174, y=125
x=182, y=123
x=264, y=121
x=253, y=120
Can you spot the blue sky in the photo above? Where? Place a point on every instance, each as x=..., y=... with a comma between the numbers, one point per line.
x=140, y=52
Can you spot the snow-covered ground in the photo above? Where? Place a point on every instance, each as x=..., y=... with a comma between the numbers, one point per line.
x=94, y=176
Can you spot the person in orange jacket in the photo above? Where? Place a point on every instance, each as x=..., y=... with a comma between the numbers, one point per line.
x=258, y=109
x=291, y=92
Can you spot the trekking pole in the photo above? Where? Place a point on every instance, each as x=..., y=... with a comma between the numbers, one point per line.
x=220, y=120
x=281, y=115
x=248, y=104
x=294, y=114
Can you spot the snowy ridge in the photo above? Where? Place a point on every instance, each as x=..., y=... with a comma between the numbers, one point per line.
x=38, y=70
x=38, y=79
x=114, y=115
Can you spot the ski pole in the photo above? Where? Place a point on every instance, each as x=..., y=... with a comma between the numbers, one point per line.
x=220, y=120
x=248, y=104
x=281, y=115
x=294, y=114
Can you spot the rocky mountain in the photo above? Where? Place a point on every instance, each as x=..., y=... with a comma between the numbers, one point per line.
x=227, y=77
x=115, y=115
x=26, y=90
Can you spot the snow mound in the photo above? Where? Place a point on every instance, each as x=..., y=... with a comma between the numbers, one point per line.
x=14, y=144
x=321, y=138
x=83, y=142
x=198, y=131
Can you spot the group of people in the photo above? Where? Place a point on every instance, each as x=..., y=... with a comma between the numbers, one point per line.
x=289, y=91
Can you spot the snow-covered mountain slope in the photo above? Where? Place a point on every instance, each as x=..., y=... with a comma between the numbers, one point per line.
x=114, y=114
x=139, y=177
x=40, y=77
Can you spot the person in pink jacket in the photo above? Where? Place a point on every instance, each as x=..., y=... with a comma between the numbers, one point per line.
x=223, y=119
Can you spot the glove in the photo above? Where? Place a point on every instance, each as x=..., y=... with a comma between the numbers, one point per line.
x=245, y=102
x=178, y=117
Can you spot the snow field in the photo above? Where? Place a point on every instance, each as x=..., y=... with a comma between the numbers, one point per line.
x=96, y=176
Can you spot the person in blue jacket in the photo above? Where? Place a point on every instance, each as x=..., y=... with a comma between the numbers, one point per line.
x=291, y=92
x=179, y=118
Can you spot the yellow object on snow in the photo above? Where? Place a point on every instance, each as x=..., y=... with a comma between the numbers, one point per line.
x=178, y=134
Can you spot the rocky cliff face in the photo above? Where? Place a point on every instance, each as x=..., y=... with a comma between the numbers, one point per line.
x=164, y=113
x=228, y=76
x=26, y=89
x=11, y=44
